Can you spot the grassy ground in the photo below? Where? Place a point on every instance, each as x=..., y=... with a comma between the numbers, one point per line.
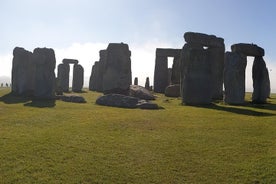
x=60, y=142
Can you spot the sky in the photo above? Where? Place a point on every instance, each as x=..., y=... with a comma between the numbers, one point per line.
x=78, y=29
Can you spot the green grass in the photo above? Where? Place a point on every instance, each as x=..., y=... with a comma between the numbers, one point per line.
x=86, y=143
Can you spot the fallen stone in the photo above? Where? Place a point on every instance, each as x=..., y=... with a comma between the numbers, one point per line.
x=140, y=92
x=73, y=98
x=248, y=49
x=143, y=104
x=117, y=100
x=173, y=90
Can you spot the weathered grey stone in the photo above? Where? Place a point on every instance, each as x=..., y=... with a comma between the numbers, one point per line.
x=63, y=77
x=175, y=77
x=216, y=60
x=161, y=71
x=261, y=81
x=77, y=78
x=143, y=104
x=203, y=39
x=136, y=81
x=23, y=71
x=70, y=61
x=45, y=80
x=93, y=82
x=140, y=92
x=117, y=100
x=248, y=49
x=234, y=77
x=196, y=76
x=173, y=90
x=147, y=84
x=73, y=98
x=117, y=69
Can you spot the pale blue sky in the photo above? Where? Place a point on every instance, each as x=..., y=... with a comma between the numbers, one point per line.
x=61, y=23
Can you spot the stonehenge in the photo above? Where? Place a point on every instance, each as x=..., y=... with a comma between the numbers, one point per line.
x=136, y=81
x=201, y=68
x=234, y=74
x=63, y=75
x=33, y=73
x=117, y=69
x=161, y=71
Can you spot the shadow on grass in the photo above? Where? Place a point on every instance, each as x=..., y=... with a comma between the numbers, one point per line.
x=13, y=99
x=242, y=111
x=27, y=101
x=41, y=103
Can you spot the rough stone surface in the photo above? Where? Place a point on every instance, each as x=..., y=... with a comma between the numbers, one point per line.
x=161, y=71
x=23, y=71
x=195, y=76
x=63, y=77
x=93, y=82
x=248, y=49
x=117, y=69
x=203, y=39
x=234, y=77
x=143, y=104
x=261, y=82
x=117, y=100
x=173, y=90
x=70, y=61
x=216, y=60
x=45, y=80
x=140, y=92
x=73, y=98
x=175, y=77
x=77, y=78
x=147, y=84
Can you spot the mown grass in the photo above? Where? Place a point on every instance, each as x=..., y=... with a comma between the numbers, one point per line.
x=62, y=142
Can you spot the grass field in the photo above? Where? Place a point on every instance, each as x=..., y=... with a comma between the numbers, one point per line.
x=60, y=142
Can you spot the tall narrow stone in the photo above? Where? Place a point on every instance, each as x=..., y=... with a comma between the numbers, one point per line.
x=196, y=76
x=161, y=73
x=175, y=77
x=147, y=83
x=77, y=78
x=23, y=71
x=234, y=77
x=93, y=78
x=261, y=82
x=45, y=80
x=136, y=81
x=63, y=77
x=117, y=69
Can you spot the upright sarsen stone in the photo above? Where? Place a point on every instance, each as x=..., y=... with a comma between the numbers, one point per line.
x=234, y=77
x=77, y=78
x=63, y=77
x=261, y=82
x=45, y=61
x=23, y=71
x=196, y=76
x=117, y=69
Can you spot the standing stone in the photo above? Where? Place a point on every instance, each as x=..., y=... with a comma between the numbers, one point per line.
x=94, y=77
x=175, y=77
x=161, y=72
x=117, y=69
x=23, y=71
x=234, y=77
x=63, y=77
x=45, y=80
x=260, y=81
x=77, y=78
x=216, y=59
x=169, y=76
x=147, y=84
x=136, y=81
x=196, y=76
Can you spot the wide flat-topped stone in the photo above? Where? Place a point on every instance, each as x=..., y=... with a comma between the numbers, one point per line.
x=70, y=61
x=248, y=49
x=203, y=39
x=168, y=52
